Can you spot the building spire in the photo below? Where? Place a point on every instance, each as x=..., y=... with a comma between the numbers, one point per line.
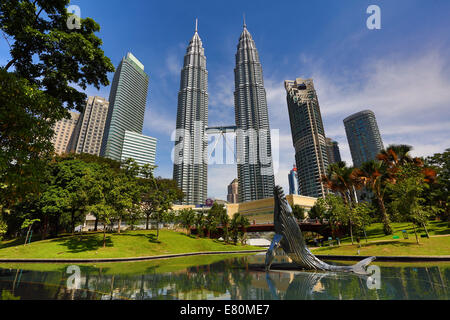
x=196, y=25
x=245, y=25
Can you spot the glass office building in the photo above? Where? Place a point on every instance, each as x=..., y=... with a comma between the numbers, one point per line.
x=363, y=137
x=127, y=102
x=308, y=136
x=140, y=148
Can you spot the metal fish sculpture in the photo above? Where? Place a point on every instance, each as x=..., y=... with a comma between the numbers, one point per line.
x=289, y=236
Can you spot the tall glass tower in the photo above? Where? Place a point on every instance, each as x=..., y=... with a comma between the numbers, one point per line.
x=127, y=101
x=308, y=136
x=254, y=151
x=363, y=137
x=190, y=169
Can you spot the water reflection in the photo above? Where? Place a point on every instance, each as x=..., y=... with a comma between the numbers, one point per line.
x=230, y=278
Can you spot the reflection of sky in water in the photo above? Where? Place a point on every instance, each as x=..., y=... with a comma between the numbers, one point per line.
x=234, y=278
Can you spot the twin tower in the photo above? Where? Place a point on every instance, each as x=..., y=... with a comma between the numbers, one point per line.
x=253, y=142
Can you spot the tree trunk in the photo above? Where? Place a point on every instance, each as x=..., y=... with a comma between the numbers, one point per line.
x=157, y=227
x=426, y=230
x=44, y=227
x=146, y=223
x=417, y=238
x=118, y=227
x=386, y=222
x=73, y=222
x=351, y=231
x=28, y=232
x=104, y=235
x=96, y=224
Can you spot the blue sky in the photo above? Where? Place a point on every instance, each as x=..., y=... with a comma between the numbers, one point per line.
x=401, y=72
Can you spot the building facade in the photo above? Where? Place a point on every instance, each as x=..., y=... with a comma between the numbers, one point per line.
x=64, y=133
x=88, y=135
x=363, y=137
x=308, y=136
x=254, y=150
x=293, y=181
x=127, y=102
x=190, y=169
x=334, y=155
x=233, y=191
x=140, y=148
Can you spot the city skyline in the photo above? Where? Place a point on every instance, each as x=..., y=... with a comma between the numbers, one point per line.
x=391, y=71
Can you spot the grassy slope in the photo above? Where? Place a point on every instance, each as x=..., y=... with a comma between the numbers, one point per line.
x=126, y=244
x=375, y=231
x=381, y=245
x=433, y=247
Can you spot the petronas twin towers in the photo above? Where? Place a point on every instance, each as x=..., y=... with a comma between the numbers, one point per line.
x=253, y=143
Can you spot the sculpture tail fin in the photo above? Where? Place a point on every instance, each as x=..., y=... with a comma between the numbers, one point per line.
x=360, y=267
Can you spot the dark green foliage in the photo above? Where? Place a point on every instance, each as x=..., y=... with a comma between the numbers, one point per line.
x=439, y=192
x=47, y=61
x=238, y=225
x=299, y=212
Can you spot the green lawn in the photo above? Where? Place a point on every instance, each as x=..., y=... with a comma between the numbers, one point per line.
x=434, y=246
x=126, y=244
x=375, y=231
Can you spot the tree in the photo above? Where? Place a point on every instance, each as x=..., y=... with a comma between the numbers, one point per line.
x=361, y=217
x=3, y=228
x=158, y=197
x=38, y=86
x=224, y=221
x=299, y=212
x=238, y=225
x=439, y=193
x=27, y=224
x=105, y=214
x=337, y=212
x=407, y=195
x=68, y=192
x=124, y=196
x=318, y=210
x=187, y=219
x=200, y=223
x=214, y=217
x=376, y=176
x=339, y=179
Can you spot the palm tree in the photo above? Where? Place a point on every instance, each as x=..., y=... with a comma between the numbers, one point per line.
x=339, y=179
x=375, y=175
x=238, y=227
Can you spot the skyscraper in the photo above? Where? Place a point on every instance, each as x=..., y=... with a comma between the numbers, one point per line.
x=333, y=151
x=254, y=151
x=363, y=137
x=64, y=130
x=233, y=191
x=308, y=136
x=190, y=169
x=127, y=101
x=293, y=181
x=139, y=147
x=88, y=135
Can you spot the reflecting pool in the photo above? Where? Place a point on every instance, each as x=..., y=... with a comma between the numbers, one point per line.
x=237, y=277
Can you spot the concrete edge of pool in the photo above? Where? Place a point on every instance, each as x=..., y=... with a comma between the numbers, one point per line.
x=325, y=257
